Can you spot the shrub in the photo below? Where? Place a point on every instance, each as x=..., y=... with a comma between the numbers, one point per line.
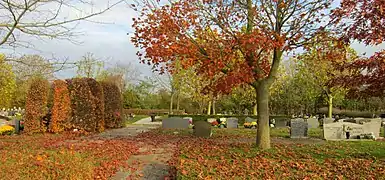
x=112, y=105
x=7, y=130
x=98, y=98
x=82, y=105
x=61, y=109
x=36, y=105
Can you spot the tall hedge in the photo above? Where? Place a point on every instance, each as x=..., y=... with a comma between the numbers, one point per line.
x=36, y=106
x=82, y=104
x=61, y=109
x=98, y=98
x=112, y=105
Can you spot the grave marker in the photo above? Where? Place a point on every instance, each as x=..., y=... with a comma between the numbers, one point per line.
x=202, y=129
x=232, y=122
x=175, y=123
x=337, y=130
x=281, y=123
x=298, y=128
x=312, y=123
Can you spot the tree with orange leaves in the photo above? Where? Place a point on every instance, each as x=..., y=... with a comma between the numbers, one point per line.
x=238, y=41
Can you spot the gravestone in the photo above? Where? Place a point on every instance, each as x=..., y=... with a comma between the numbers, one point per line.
x=298, y=128
x=328, y=120
x=250, y=120
x=175, y=123
x=202, y=129
x=373, y=126
x=312, y=123
x=281, y=123
x=232, y=122
x=337, y=130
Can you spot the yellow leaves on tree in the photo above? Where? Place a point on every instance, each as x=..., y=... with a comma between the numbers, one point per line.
x=61, y=110
x=36, y=105
x=7, y=83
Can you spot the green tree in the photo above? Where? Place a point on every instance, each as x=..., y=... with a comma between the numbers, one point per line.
x=317, y=67
x=7, y=83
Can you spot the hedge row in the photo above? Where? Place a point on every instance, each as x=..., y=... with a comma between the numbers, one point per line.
x=79, y=103
x=36, y=106
x=61, y=109
x=113, y=105
x=151, y=111
x=241, y=118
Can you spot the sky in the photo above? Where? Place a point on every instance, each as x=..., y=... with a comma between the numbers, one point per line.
x=107, y=40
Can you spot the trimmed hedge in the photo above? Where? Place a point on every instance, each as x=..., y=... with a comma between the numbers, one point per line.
x=61, y=109
x=241, y=118
x=82, y=104
x=151, y=111
x=98, y=98
x=112, y=106
x=36, y=106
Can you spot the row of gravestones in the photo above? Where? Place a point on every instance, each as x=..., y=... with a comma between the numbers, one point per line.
x=183, y=123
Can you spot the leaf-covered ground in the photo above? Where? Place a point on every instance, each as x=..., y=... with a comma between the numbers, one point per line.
x=177, y=154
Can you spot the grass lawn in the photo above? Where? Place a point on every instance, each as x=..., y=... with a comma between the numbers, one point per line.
x=128, y=120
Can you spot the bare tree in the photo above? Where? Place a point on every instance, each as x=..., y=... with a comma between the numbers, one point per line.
x=45, y=19
x=32, y=65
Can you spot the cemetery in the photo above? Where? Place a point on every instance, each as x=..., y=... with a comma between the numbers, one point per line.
x=192, y=89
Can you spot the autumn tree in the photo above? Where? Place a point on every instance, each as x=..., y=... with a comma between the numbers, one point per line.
x=237, y=41
x=363, y=21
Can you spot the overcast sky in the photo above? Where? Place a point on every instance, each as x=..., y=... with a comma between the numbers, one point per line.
x=108, y=41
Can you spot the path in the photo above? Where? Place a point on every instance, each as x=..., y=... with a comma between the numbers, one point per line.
x=150, y=162
x=147, y=121
x=129, y=131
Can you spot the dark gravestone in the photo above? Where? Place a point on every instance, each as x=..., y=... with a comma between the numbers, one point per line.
x=175, y=123
x=17, y=126
x=298, y=128
x=280, y=123
x=232, y=122
x=202, y=129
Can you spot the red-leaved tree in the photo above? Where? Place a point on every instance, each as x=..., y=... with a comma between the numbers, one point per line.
x=364, y=21
x=237, y=41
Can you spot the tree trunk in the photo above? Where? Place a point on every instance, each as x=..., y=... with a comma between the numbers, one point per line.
x=330, y=109
x=263, y=132
x=178, y=102
x=171, y=102
x=214, y=107
x=255, y=109
x=209, y=108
